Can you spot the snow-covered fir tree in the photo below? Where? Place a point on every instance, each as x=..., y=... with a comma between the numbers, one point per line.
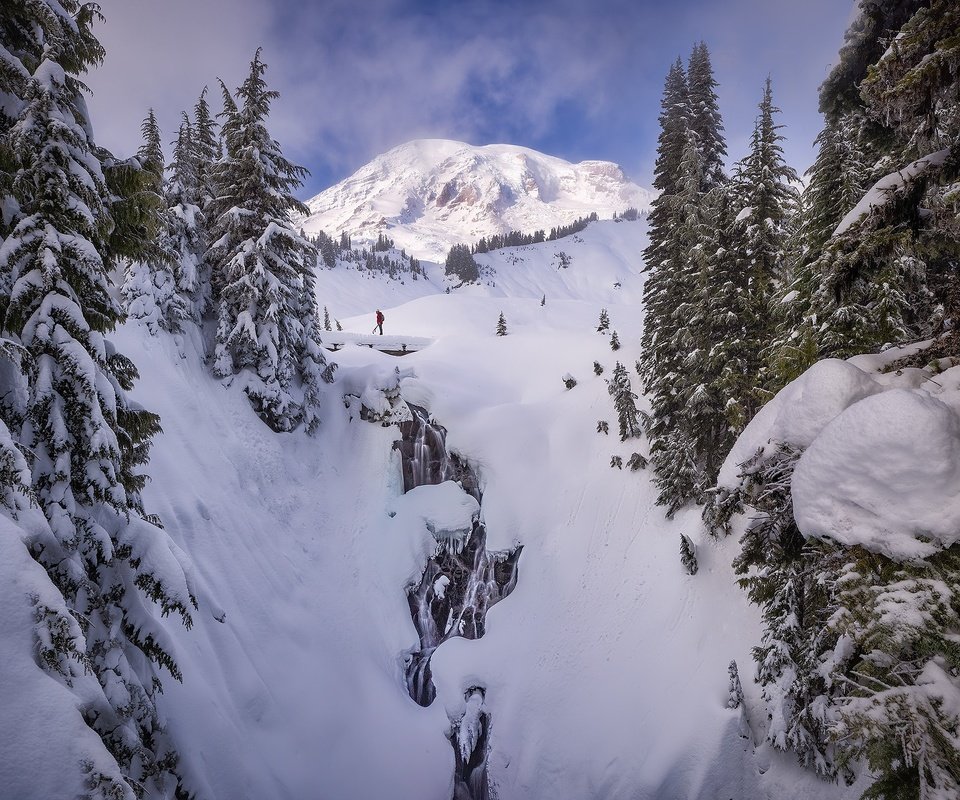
x=86, y=440
x=461, y=264
x=902, y=707
x=208, y=149
x=704, y=117
x=836, y=182
x=150, y=289
x=624, y=402
x=792, y=581
x=604, y=324
x=674, y=381
x=265, y=325
x=727, y=382
x=501, y=325
x=689, y=264
x=660, y=294
x=768, y=200
x=186, y=224
x=888, y=275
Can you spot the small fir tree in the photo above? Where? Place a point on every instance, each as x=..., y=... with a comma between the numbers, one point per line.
x=624, y=401
x=688, y=555
x=502, y=325
x=604, y=325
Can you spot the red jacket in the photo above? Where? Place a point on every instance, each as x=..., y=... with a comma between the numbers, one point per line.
x=379, y=318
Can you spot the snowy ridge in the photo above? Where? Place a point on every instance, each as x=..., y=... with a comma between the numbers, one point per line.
x=430, y=194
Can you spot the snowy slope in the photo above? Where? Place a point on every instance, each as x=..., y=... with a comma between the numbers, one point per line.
x=605, y=669
x=429, y=194
x=604, y=255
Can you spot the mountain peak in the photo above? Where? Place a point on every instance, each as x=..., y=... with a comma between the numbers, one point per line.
x=429, y=194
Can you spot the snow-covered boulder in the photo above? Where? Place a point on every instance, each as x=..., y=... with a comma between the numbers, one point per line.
x=884, y=474
x=799, y=412
x=446, y=510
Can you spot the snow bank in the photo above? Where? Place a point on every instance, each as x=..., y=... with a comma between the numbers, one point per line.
x=799, y=412
x=43, y=738
x=885, y=474
x=446, y=510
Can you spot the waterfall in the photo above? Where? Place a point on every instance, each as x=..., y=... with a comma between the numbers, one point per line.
x=460, y=582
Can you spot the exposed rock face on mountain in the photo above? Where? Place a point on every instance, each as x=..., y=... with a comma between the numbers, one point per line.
x=430, y=194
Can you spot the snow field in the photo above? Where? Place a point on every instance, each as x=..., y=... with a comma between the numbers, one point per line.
x=605, y=669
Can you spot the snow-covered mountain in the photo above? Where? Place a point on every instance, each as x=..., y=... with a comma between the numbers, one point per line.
x=430, y=194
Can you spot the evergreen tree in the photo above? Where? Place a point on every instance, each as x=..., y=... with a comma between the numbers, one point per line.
x=266, y=329
x=704, y=117
x=461, y=264
x=187, y=225
x=675, y=376
x=659, y=291
x=793, y=581
x=688, y=558
x=836, y=183
x=86, y=439
x=764, y=188
x=888, y=275
x=902, y=710
x=501, y=325
x=625, y=403
x=207, y=148
x=326, y=319
x=150, y=290
x=604, y=325
x=614, y=341
x=727, y=387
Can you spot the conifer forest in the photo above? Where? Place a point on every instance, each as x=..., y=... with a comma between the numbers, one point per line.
x=699, y=445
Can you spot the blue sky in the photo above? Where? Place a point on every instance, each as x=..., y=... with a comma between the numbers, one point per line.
x=579, y=80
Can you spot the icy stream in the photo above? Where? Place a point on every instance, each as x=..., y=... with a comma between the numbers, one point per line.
x=459, y=583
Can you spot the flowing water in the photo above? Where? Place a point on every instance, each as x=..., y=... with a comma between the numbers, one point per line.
x=460, y=582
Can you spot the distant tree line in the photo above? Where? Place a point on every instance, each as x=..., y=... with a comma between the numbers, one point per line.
x=517, y=239
x=373, y=259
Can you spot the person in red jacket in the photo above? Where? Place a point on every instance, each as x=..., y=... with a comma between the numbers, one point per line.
x=379, y=321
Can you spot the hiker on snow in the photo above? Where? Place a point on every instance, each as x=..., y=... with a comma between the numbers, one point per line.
x=379, y=321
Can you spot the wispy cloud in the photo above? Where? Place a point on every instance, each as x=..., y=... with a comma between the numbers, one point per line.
x=579, y=80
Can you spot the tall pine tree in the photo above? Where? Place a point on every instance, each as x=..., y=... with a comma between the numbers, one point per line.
x=151, y=292
x=261, y=264
x=704, y=117
x=768, y=200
